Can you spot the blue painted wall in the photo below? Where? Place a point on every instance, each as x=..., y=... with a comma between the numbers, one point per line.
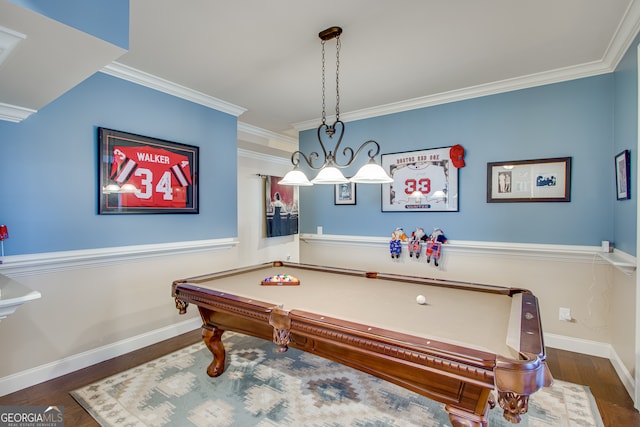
x=626, y=138
x=572, y=118
x=105, y=19
x=49, y=169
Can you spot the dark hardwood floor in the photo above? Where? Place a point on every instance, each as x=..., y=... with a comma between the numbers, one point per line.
x=614, y=403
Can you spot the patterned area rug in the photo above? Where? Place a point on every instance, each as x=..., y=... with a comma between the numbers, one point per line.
x=261, y=387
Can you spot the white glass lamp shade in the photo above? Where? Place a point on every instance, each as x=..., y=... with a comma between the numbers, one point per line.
x=329, y=175
x=295, y=177
x=372, y=173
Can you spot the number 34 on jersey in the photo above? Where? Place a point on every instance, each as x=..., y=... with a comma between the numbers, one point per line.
x=160, y=177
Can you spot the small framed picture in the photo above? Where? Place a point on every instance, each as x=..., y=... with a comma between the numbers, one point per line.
x=345, y=194
x=623, y=181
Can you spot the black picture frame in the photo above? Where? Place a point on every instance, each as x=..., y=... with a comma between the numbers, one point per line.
x=623, y=175
x=537, y=180
x=344, y=194
x=281, y=213
x=144, y=175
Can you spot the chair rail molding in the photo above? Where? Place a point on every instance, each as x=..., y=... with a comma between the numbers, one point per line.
x=625, y=262
x=49, y=262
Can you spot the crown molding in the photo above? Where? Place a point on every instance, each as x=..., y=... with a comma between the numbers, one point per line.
x=13, y=113
x=620, y=43
x=503, y=86
x=133, y=75
x=249, y=154
x=625, y=34
x=266, y=134
x=9, y=39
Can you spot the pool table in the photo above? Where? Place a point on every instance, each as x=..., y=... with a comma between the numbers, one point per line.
x=465, y=341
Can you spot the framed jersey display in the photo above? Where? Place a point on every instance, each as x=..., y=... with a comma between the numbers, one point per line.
x=140, y=174
x=423, y=181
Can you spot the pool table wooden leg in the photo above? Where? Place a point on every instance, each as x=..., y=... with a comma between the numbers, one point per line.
x=461, y=418
x=212, y=337
x=281, y=323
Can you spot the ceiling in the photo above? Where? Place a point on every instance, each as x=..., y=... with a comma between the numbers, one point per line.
x=265, y=56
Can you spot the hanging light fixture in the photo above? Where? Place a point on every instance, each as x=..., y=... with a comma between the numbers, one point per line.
x=329, y=170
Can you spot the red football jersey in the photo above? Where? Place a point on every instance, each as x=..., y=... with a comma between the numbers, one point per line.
x=160, y=177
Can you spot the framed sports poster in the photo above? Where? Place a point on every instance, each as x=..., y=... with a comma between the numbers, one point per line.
x=423, y=181
x=281, y=207
x=139, y=174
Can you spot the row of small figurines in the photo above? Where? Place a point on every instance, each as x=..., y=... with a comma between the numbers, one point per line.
x=433, y=243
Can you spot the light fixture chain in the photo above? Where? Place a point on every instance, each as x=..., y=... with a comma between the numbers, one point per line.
x=338, y=78
x=324, y=113
x=370, y=173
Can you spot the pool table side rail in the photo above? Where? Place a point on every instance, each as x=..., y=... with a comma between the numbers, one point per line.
x=379, y=349
x=531, y=336
x=205, y=297
x=502, y=290
x=528, y=374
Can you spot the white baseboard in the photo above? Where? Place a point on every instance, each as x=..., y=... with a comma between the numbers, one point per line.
x=594, y=348
x=623, y=373
x=577, y=345
x=39, y=374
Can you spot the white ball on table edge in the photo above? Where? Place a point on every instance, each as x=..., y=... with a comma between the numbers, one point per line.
x=420, y=299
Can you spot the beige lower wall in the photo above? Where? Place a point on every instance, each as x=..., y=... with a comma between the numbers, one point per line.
x=601, y=299
x=87, y=308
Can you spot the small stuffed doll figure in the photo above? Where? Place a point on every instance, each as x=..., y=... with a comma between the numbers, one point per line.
x=434, y=245
x=395, y=245
x=415, y=244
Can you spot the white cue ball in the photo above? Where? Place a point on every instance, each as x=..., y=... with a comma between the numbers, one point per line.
x=420, y=299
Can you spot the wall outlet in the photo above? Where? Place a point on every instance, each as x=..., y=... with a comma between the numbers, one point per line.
x=319, y=229
x=565, y=314
x=605, y=246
